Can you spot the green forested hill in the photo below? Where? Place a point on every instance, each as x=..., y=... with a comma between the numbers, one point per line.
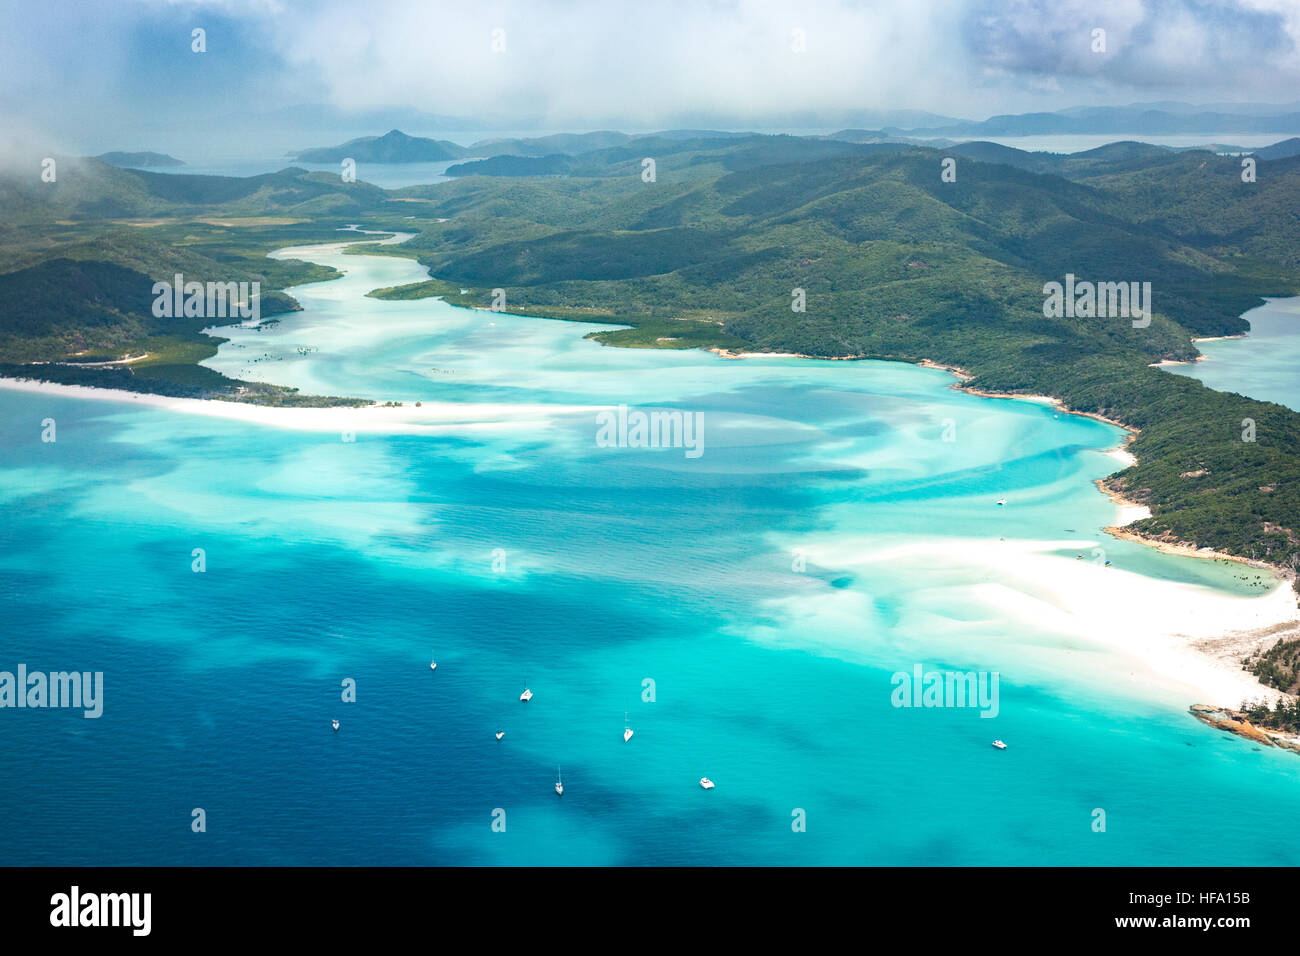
x=393, y=147
x=79, y=256
x=91, y=190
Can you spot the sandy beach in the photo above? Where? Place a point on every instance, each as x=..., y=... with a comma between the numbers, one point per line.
x=427, y=418
x=1183, y=641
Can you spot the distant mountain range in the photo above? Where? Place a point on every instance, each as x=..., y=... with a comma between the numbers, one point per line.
x=397, y=147
x=1131, y=120
x=145, y=160
x=591, y=154
x=1155, y=118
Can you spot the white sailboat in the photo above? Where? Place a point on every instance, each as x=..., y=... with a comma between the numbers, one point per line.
x=1000, y=745
x=559, y=782
x=706, y=783
x=1002, y=501
x=627, y=728
x=527, y=695
x=500, y=734
x=335, y=723
x=433, y=665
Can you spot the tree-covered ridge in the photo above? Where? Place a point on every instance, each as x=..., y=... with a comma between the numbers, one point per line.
x=89, y=190
x=556, y=164
x=80, y=257
x=1279, y=667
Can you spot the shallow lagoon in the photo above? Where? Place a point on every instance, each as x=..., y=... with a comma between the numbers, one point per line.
x=329, y=559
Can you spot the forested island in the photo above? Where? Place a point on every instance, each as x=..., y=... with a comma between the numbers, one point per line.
x=706, y=247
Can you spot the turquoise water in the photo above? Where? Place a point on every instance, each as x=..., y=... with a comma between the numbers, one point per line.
x=329, y=560
x=1261, y=365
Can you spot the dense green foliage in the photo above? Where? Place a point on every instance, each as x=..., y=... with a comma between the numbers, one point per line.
x=78, y=290
x=1279, y=667
x=1283, y=715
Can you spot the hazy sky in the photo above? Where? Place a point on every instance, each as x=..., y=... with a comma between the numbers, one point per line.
x=114, y=67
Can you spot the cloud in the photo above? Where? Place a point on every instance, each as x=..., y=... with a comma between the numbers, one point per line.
x=636, y=63
x=600, y=58
x=1221, y=49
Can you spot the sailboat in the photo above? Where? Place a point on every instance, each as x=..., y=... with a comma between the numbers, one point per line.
x=559, y=783
x=1002, y=501
x=627, y=728
x=527, y=695
x=706, y=783
x=433, y=665
x=335, y=723
x=1000, y=745
x=500, y=734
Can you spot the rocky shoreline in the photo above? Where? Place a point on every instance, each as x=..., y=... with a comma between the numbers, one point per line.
x=1236, y=722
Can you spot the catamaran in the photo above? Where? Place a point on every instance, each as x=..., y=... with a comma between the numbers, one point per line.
x=527, y=695
x=706, y=783
x=559, y=782
x=627, y=728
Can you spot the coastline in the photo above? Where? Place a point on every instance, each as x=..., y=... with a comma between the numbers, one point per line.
x=1169, y=652
x=376, y=418
x=732, y=354
x=1202, y=356
x=1230, y=646
x=1234, y=721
